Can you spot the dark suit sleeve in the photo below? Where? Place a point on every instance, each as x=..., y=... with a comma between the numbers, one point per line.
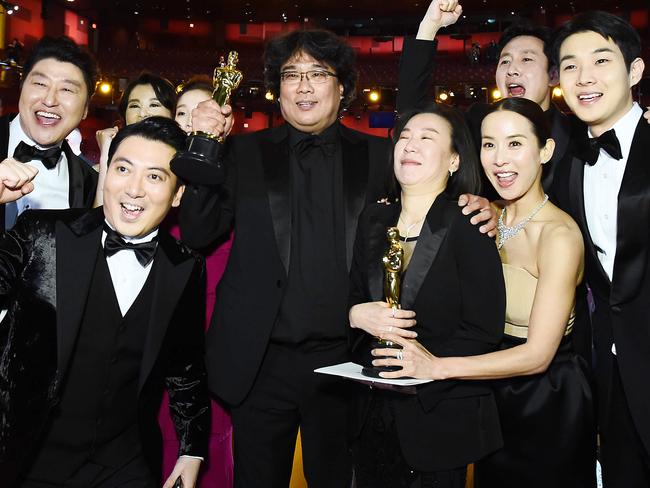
x=186, y=379
x=482, y=315
x=15, y=252
x=482, y=291
x=415, y=69
x=358, y=279
x=206, y=212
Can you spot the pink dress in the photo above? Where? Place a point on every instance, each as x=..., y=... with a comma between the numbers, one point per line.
x=217, y=472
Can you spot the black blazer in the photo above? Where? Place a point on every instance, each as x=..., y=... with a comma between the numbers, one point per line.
x=83, y=178
x=46, y=266
x=257, y=199
x=454, y=283
x=622, y=307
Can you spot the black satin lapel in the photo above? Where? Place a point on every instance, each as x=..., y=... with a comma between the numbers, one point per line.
x=377, y=246
x=355, y=183
x=169, y=282
x=424, y=255
x=76, y=178
x=577, y=196
x=275, y=160
x=632, y=219
x=76, y=256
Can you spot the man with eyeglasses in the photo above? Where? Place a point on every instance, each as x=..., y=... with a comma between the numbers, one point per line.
x=294, y=193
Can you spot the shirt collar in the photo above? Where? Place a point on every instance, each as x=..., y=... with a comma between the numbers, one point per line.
x=134, y=240
x=329, y=134
x=625, y=128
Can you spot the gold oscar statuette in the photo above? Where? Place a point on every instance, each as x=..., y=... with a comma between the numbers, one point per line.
x=199, y=162
x=226, y=79
x=393, y=262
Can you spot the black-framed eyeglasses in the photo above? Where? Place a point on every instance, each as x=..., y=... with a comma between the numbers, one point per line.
x=315, y=76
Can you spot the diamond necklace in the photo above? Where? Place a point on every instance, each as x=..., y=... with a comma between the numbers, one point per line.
x=506, y=232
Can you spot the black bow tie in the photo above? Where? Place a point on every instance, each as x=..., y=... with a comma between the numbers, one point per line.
x=607, y=141
x=308, y=144
x=49, y=157
x=144, y=251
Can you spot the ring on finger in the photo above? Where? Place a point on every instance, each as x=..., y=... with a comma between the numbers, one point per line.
x=400, y=355
x=392, y=313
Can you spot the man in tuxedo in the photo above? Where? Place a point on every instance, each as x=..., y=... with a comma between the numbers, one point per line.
x=523, y=70
x=104, y=311
x=294, y=193
x=58, y=81
x=598, y=55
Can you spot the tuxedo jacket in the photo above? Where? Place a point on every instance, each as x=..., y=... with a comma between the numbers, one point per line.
x=46, y=268
x=622, y=306
x=257, y=200
x=454, y=283
x=83, y=178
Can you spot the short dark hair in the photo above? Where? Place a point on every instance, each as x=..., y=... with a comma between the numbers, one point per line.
x=607, y=25
x=467, y=179
x=65, y=50
x=162, y=87
x=524, y=28
x=530, y=111
x=199, y=82
x=155, y=128
x=324, y=46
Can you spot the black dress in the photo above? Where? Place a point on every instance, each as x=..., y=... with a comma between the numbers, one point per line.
x=547, y=420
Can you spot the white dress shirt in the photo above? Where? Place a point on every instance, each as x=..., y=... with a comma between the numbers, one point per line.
x=601, y=185
x=51, y=186
x=127, y=274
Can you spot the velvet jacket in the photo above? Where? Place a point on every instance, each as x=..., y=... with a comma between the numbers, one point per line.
x=82, y=177
x=46, y=266
x=454, y=283
x=256, y=198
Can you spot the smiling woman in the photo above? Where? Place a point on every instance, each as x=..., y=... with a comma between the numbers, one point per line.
x=452, y=303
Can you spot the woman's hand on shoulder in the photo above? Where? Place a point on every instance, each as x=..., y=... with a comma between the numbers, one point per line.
x=486, y=216
x=379, y=319
x=414, y=359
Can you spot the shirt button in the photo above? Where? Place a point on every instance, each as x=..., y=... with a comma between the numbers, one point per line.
x=27, y=207
x=278, y=283
x=113, y=359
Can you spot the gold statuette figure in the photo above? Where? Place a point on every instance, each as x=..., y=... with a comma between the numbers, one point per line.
x=393, y=262
x=199, y=163
x=226, y=79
